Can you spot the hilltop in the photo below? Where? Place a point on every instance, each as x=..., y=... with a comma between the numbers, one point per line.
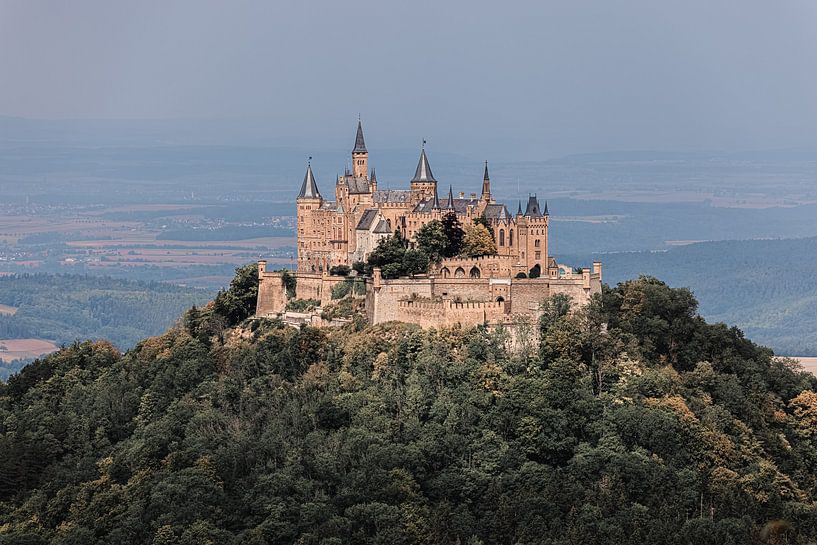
x=632, y=420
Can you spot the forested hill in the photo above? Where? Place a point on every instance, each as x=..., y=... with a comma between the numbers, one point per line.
x=632, y=421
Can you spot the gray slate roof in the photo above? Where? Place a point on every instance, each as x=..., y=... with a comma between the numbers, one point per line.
x=496, y=212
x=360, y=145
x=357, y=185
x=460, y=205
x=423, y=172
x=392, y=195
x=368, y=217
x=532, y=209
x=309, y=189
x=382, y=227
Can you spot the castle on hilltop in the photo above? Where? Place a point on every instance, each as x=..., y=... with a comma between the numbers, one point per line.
x=333, y=235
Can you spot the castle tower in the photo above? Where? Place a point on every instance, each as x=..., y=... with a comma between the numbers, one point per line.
x=424, y=182
x=309, y=199
x=536, y=243
x=486, y=185
x=360, y=156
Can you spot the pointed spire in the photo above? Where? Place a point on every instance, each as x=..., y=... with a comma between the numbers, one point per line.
x=309, y=189
x=373, y=177
x=450, y=204
x=519, y=210
x=423, y=172
x=486, y=184
x=546, y=213
x=436, y=204
x=360, y=144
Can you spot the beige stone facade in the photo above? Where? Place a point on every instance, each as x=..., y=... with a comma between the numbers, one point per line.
x=489, y=289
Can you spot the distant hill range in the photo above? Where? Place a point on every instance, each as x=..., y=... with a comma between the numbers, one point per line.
x=768, y=288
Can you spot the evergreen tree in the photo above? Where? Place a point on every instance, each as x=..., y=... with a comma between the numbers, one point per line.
x=453, y=234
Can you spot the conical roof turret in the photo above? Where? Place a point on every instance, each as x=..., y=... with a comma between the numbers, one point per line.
x=450, y=204
x=423, y=172
x=309, y=189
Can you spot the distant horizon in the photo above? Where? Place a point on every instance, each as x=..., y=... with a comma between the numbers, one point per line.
x=255, y=134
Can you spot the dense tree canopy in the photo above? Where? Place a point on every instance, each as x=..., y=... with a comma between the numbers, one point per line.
x=628, y=421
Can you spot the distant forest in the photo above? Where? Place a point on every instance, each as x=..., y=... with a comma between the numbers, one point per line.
x=64, y=308
x=768, y=288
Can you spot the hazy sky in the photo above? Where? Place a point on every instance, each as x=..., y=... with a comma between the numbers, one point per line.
x=529, y=79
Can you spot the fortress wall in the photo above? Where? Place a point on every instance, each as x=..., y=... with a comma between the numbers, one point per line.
x=272, y=296
x=429, y=313
x=527, y=295
x=382, y=301
x=477, y=289
x=316, y=286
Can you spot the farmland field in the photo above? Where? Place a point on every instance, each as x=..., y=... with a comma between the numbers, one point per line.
x=24, y=349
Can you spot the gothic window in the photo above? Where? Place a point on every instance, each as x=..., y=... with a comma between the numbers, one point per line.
x=459, y=273
x=474, y=272
x=502, y=237
x=445, y=272
x=510, y=237
x=536, y=242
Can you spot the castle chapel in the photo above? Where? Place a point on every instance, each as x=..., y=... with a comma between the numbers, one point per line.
x=344, y=230
x=492, y=290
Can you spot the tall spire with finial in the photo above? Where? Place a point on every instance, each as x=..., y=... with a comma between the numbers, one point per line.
x=360, y=155
x=486, y=185
x=450, y=204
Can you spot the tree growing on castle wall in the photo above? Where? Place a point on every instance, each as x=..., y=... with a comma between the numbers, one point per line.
x=432, y=240
x=477, y=241
x=453, y=234
x=482, y=220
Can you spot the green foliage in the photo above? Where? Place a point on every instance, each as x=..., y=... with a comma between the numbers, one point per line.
x=359, y=267
x=432, y=240
x=290, y=282
x=477, y=241
x=453, y=234
x=302, y=305
x=238, y=301
x=341, y=289
x=638, y=423
x=395, y=259
x=340, y=270
x=482, y=220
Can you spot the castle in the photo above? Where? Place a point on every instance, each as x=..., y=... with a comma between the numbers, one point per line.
x=468, y=290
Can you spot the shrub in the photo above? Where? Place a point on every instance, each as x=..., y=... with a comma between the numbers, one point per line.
x=340, y=270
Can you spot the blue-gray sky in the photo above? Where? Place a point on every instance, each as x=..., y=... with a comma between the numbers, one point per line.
x=531, y=79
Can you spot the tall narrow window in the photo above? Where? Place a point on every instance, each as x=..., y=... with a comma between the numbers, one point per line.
x=502, y=237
